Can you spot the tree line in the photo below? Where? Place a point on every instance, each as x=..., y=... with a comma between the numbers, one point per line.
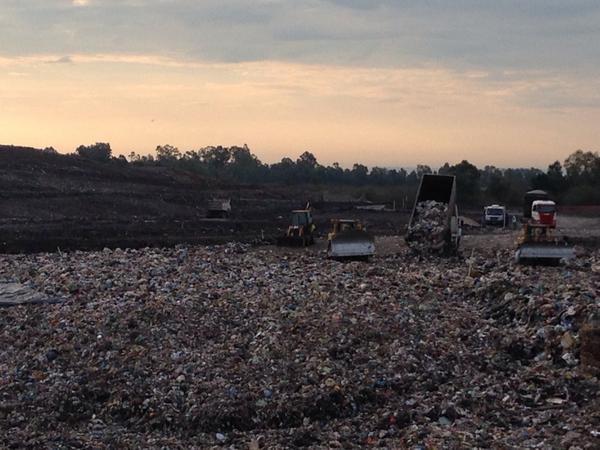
x=574, y=181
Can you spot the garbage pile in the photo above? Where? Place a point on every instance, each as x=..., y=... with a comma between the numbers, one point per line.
x=232, y=346
x=549, y=315
x=430, y=221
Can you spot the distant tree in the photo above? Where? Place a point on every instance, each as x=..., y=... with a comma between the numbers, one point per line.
x=379, y=175
x=134, y=158
x=577, y=182
x=488, y=173
x=467, y=181
x=100, y=151
x=556, y=178
x=412, y=178
x=284, y=171
x=553, y=180
x=582, y=180
x=359, y=173
x=244, y=165
x=445, y=169
x=333, y=174
x=307, y=168
x=498, y=190
x=555, y=170
x=191, y=155
x=50, y=150
x=582, y=165
x=423, y=169
x=216, y=158
x=242, y=156
x=307, y=160
x=397, y=176
x=167, y=153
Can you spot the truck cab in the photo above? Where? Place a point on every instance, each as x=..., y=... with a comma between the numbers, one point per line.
x=543, y=212
x=494, y=215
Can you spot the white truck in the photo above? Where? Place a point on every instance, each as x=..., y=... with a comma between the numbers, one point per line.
x=495, y=215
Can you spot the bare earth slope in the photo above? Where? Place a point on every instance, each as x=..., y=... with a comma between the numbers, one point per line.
x=51, y=201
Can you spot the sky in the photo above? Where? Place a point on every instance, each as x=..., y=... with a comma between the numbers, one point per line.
x=381, y=82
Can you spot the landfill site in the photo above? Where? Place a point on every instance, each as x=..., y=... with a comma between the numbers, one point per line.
x=418, y=333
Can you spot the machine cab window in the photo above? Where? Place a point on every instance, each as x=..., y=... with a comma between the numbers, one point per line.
x=300, y=218
x=495, y=211
x=544, y=208
x=347, y=226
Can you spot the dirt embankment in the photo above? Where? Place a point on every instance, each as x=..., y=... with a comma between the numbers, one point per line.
x=51, y=201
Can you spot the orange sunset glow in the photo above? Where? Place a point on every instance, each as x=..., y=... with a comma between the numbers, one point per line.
x=394, y=106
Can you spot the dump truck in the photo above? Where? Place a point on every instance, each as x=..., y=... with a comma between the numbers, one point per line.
x=349, y=239
x=434, y=225
x=495, y=215
x=539, y=242
x=219, y=208
x=300, y=232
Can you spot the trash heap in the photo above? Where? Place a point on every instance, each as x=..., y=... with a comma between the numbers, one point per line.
x=429, y=222
x=239, y=347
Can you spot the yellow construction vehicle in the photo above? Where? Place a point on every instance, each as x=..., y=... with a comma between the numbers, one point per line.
x=300, y=233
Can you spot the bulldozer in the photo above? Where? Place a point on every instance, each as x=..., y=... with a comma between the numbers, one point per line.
x=300, y=233
x=539, y=243
x=349, y=239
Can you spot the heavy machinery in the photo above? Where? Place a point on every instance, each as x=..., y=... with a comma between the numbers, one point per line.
x=219, y=209
x=495, y=215
x=434, y=224
x=300, y=233
x=349, y=239
x=539, y=242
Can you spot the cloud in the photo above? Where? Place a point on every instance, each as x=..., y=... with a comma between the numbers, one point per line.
x=525, y=89
x=462, y=34
x=377, y=115
x=62, y=60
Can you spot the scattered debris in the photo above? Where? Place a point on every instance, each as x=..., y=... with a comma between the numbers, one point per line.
x=469, y=223
x=264, y=348
x=590, y=343
x=12, y=294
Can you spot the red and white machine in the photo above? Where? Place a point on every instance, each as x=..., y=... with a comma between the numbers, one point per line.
x=543, y=213
x=539, y=241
